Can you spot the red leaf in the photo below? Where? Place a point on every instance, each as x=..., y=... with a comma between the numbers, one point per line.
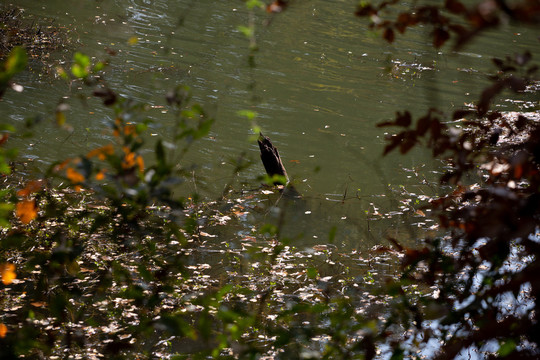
x=276, y=7
x=403, y=21
x=423, y=125
x=365, y=10
x=404, y=119
x=389, y=35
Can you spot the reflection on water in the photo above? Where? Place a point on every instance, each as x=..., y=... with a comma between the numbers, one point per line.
x=321, y=83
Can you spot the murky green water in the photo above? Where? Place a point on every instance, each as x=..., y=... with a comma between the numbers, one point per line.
x=321, y=83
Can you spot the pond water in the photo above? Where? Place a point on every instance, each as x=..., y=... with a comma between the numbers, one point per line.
x=321, y=83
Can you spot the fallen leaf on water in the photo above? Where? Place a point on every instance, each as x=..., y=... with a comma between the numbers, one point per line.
x=207, y=234
x=38, y=304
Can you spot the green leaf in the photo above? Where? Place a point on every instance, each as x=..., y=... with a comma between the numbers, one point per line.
x=332, y=234
x=81, y=59
x=269, y=229
x=223, y=291
x=507, y=348
x=160, y=152
x=99, y=66
x=16, y=62
x=251, y=4
x=81, y=65
x=141, y=127
x=78, y=71
x=204, y=129
x=247, y=31
x=6, y=127
x=4, y=167
x=248, y=114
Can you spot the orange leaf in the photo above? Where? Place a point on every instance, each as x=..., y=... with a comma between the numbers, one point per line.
x=26, y=211
x=3, y=330
x=38, y=304
x=129, y=161
x=129, y=130
x=31, y=187
x=62, y=165
x=101, y=152
x=140, y=163
x=75, y=176
x=7, y=271
x=100, y=175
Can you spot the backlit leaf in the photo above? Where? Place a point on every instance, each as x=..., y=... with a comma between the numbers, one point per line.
x=7, y=271
x=16, y=62
x=73, y=175
x=26, y=211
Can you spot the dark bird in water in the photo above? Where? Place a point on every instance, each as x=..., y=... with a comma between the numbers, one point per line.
x=271, y=159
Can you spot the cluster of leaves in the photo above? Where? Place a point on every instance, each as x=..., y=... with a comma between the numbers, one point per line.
x=447, y=18
x=38, y=38
x=100, y=258
x=484, y=270
x=104, y=200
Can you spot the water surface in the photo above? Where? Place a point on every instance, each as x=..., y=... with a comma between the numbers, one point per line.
x=322, y=82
